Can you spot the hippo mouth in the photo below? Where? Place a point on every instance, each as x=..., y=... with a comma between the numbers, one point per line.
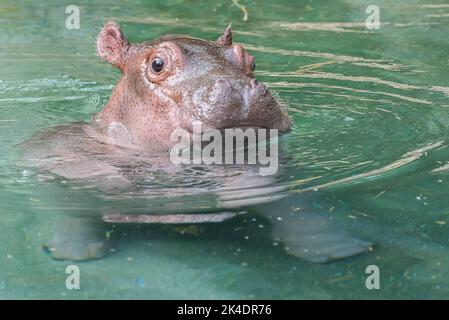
x=223, y=129
x=245, y=125
x=283, y=124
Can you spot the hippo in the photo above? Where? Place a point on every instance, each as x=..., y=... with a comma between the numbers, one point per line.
x=169, y=83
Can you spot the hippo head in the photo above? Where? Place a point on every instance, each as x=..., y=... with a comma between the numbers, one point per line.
x=173, y=81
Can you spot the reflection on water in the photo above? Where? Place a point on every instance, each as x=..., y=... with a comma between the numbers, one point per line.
x=368, y=153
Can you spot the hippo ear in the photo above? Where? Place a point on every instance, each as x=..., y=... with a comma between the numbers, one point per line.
x=111, y=44
x=226, y=38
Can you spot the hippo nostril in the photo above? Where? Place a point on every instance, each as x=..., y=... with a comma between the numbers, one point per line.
x=223, y=83
x=223, y=90
x=257, y=89
x=254, y=83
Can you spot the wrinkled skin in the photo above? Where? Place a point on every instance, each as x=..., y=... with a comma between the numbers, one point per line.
x=166, y=84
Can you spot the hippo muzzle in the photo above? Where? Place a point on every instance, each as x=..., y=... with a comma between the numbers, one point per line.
x=247, y=103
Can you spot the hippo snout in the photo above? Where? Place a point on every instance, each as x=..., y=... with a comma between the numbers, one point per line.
x=240, y=95
x=225, y=87
x=248, y=102
x=265, y=108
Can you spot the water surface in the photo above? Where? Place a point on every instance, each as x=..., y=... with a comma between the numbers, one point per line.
x=369, y=149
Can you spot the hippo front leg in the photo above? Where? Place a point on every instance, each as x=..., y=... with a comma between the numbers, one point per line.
x=308, y=235
x=78, y=238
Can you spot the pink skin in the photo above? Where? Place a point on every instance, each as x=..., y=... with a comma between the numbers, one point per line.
x=210, y=82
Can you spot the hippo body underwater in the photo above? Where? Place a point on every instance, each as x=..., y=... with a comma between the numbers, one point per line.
x=170, y=83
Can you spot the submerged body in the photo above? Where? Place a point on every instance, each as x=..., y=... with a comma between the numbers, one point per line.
x=168, y=84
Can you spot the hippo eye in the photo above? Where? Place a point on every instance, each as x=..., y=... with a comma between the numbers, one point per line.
x=253, y=65
x=157, y=65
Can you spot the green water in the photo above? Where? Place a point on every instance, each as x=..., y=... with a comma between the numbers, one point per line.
x=371, y=121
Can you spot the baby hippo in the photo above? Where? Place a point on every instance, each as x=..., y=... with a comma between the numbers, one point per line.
x=176, y=80
x=167, y=84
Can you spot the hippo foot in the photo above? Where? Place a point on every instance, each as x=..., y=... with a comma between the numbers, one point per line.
x=326, y=247
x=312, y=237
x=77, y=250
x=78, y=238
